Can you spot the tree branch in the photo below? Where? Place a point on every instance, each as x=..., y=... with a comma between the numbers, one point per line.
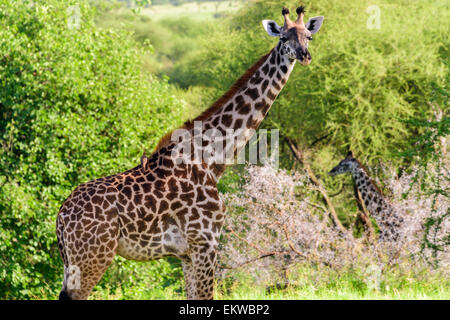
x=300, y=158
x=271, y=254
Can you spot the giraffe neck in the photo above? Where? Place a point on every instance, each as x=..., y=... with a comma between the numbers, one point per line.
x=372, y=197
x=241, y=114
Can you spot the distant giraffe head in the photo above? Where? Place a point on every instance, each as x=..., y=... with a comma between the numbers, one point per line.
x=295, y=35
x=346, y=165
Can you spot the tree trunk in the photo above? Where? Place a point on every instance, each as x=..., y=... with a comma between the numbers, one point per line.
x=300, y=158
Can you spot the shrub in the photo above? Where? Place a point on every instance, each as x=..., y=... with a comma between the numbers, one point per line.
x=275, y=224
x=75, y=105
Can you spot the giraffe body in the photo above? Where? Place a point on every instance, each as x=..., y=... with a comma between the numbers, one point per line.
x=388, y=219
x=141, y=214
x=169, y=205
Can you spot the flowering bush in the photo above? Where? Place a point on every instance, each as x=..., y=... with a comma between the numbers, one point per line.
x=418, y=208
x=276, y=223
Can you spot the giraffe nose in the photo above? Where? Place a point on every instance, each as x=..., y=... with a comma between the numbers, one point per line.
x=308, y=55
x=303, y=56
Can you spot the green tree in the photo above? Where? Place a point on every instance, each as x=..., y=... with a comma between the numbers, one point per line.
x=361, y=82
x=74, y=105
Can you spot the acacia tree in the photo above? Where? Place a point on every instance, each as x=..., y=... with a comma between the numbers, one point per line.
x=359, y=86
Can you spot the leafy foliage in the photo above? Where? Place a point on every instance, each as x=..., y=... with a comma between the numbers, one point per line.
x=429, y=151
x=183, y=34
x=360, y=83
x=75, y=105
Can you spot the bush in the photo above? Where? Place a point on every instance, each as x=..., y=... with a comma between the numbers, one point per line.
x=276, y=224
x=75, y=105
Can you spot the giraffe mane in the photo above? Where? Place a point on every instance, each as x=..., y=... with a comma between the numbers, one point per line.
x=241, y=82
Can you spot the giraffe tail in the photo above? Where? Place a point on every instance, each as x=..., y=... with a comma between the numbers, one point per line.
x=63, y=295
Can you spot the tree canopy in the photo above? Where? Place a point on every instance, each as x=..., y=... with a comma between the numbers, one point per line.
x=75, y=105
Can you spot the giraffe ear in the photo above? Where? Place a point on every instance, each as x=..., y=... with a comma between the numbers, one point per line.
x=272, y=28
x=314, y=24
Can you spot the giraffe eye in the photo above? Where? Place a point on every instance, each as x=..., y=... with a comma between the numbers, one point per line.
x=310, y=38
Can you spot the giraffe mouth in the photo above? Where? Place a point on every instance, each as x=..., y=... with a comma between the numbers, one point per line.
x=333, y=172
x=304, y=59
x=303, y=56
x=305, y=62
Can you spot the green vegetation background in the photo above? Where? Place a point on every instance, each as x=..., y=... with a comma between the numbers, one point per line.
x=80, y=103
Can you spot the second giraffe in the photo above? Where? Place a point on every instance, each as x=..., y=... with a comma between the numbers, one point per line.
x=388, y=220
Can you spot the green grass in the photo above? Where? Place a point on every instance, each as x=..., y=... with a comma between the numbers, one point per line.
x=342, y=294
x=307, y=283
x=309, y=292
x=344, y=291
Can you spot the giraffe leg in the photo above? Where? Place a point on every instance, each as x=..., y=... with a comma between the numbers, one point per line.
x=87, y=256
x=83, y=276
x=204, y=263
x=189, y=281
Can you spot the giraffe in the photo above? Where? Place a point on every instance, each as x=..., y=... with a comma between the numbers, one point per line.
x=169, y=204
x=388, y=219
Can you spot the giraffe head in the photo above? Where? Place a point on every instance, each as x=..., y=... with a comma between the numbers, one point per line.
x=295, y=35
x=346, y=165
